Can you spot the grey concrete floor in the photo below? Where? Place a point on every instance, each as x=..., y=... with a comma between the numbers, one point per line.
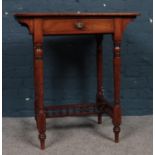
x=78, y=136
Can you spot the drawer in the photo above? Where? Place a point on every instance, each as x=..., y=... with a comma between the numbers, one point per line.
x=77, y=26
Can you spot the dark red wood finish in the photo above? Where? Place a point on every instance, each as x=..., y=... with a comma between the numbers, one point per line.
x=41, y=24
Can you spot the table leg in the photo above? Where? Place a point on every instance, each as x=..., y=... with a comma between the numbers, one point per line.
x=116, y=76
x=99, y=60
x=38, y=82
x=39, y=107
x=117, y=107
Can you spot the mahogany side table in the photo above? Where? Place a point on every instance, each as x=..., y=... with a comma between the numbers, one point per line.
x=42, y=24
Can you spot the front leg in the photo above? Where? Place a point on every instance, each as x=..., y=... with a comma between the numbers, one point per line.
x=116, y=76
x=117, y=107
x=38, y=82
x=40, y=114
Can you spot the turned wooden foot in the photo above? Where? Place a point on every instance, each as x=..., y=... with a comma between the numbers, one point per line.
x=116, y=133
x=116, y=122
x=42, y=138
x=41, y=121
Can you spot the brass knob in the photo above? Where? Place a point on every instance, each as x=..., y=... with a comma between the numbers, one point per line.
x=79, y=25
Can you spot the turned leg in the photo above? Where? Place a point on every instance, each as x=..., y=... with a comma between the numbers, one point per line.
x=116, y=76
x=38, y=82
x=99, y=60
x=39, y=107
x=117, y=108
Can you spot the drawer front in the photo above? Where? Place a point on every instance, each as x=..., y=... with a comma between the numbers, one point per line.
x=77, y=26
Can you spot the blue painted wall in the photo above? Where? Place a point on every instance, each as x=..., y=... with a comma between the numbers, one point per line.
x=70, y=67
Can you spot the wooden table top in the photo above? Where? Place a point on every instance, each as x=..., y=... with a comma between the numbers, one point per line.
x=110, y=14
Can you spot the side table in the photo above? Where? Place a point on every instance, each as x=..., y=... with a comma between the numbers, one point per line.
x=43, y=24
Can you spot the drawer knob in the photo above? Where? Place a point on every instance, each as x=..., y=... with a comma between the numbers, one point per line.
x=79, y=25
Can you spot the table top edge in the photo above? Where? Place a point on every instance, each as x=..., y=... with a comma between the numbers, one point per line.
x=108, y=14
